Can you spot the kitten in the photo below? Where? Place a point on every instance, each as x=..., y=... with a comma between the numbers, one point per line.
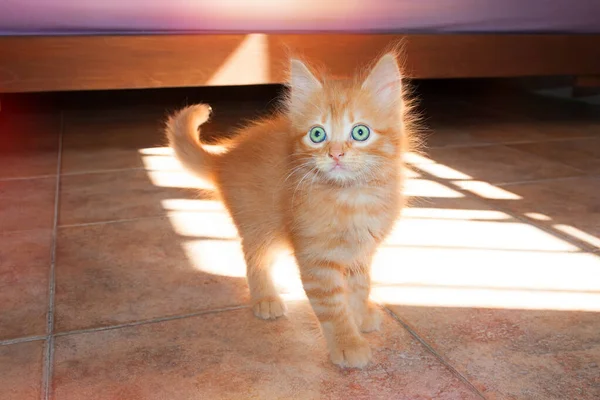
x=324, y=177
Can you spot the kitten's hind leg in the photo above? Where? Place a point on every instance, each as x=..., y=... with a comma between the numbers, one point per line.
x=366, y=313
x=266, y=303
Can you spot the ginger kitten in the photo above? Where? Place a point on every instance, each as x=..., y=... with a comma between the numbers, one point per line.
x=322, y=177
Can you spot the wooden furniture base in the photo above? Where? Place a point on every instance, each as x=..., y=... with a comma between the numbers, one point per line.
x=63, y=63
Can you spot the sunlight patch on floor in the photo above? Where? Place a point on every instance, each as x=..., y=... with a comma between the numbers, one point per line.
x=461, y=256
x=493, y=235
x=218, y=257
x=488, y=298
x=483, y=268
x=174, y=205
x=578, y=234
x=417, y=159
x=165, y=171
x=453, y=214
x=443, y=172
x=537, y=216
x=487, y=190
x=206, y=225
x=427, y=188
x=176, y=179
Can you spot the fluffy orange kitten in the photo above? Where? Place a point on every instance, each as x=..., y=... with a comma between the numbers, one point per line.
x=322, y=177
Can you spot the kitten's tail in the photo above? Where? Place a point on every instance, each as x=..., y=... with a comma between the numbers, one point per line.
x=184, y=138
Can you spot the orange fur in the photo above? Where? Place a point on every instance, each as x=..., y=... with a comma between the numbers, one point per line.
x=282, y=189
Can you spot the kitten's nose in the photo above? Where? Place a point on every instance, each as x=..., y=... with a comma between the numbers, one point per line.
x=336, y=153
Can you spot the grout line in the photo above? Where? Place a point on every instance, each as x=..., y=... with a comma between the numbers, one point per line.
x=49, y=349
x=150, y=321
x=25, y=339
x=510, y=143
x=15, y=231
x=565, y=178
x=25, y=178
x=47, y=371
x=102, y=171
x=115, y=221
x=441, y=359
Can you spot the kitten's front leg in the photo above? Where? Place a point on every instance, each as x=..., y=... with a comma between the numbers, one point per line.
x=366, y=313
x=266, y=303
x=325, y=287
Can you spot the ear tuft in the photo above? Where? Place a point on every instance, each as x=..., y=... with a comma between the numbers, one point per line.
x=384, y=82
x=303, y=83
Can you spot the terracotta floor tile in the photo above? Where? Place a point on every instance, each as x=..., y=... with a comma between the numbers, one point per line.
x=105, y=140
x=28, y=145
x=128, y=271
x=516, y=354
x=545, y=109
x=27, y=204
x=507, y=129
x=21, y=371
x=446, y=123
x=118, y=195
x=499, y=164
x=24, y=272
x=563, y=204
x=233, y=355
x=461, y=124
x=96, y=141
x=583, y=154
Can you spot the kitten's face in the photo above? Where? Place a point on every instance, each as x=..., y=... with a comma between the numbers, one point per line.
x=347, y=131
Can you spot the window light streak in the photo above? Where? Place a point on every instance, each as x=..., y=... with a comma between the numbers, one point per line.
x=443, y=172
x=192, y=205
x=487, y=190
x=435, y=257
x=538, y=216
x=427, y=188
x=475, y=235
x=483, y=298
x=453, y=214
x=248, y=64
x=578, y=234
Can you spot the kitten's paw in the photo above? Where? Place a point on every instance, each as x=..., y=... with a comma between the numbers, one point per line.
x=353, y=354
x=371, y=320
x=269, y=308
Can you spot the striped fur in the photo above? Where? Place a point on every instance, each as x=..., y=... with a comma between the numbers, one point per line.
x=283, y=190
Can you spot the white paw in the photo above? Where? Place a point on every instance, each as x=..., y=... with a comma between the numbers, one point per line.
x=355, y=353
x=269, y=308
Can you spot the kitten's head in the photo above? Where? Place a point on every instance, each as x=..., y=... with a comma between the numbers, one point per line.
x=347, y=131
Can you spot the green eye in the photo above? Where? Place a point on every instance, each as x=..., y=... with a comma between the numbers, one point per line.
x=361, y=133
x=317, y=134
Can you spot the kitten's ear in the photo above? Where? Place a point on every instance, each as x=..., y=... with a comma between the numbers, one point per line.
x=384, y=82
x=302, y=83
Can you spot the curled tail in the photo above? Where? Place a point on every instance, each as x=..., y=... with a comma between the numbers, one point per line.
x=183, y=135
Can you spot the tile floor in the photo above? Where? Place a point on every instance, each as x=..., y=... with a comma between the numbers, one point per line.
x=119, y=281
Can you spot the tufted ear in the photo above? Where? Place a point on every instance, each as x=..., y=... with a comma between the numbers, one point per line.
x=303, y=83
x=384, y=82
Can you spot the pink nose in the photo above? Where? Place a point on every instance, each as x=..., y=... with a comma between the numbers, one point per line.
x=336, y=154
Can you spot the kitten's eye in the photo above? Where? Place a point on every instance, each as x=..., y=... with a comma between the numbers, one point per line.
x=361, y=133
x=317, y=134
